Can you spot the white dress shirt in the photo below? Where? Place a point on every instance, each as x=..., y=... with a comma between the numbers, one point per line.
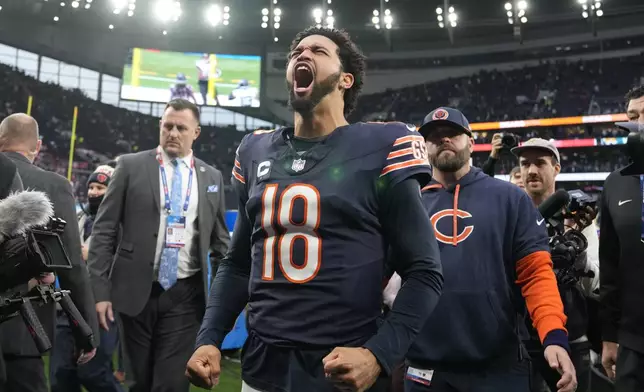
x=189, y=254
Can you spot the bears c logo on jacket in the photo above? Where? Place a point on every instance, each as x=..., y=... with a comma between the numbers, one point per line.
x=454, y=238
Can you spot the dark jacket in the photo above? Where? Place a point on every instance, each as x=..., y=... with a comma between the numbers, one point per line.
x=620, y=262
x=14, y=337
x=9, y=182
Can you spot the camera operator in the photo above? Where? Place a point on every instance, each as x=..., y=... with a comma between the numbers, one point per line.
x=20, y=141
x=500, y=142
x=540, y=163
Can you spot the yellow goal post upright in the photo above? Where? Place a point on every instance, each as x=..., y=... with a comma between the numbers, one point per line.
x=212, y=75
x=72, y=144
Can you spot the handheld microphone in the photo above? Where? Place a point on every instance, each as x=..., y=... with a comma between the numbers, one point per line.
x=23, y=211
x=554, y=204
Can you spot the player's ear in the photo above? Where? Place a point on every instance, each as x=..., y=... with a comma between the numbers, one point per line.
x=470, y=144
x=347, y=81
x=197, y=133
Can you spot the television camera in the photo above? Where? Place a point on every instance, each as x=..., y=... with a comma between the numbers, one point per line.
x=566, y=246
x=30, y=247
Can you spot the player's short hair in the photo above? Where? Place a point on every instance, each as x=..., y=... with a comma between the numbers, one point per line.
x=634, y=93
x=179, y=104
x=351, y=58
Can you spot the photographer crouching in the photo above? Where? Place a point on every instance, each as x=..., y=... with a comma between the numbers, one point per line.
x=575, y=254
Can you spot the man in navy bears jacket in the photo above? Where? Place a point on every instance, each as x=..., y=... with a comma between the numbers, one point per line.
x=496, y=263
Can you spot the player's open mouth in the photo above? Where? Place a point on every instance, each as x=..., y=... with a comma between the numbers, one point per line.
x=302, y=79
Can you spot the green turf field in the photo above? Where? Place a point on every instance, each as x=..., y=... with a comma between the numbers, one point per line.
x=158, y=70
x=230, y=380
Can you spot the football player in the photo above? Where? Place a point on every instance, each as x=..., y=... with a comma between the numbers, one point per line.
x=181, y=89
x=319, y=206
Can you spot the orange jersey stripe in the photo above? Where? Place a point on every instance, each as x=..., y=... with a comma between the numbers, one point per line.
x=408, y=139
x=539, y=288
x=399, y=153
x=237, y=164
x=239, y=177
x=403, y=165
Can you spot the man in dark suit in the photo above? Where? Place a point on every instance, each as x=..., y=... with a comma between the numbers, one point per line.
x=20, y=142
x=170, y=208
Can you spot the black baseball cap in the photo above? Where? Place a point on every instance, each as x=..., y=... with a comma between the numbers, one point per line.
x=445, y=116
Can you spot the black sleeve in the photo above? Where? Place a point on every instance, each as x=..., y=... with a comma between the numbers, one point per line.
x=488, y=166
x=609, y=293
x=229, y=291
x=417, y=261
x=75, y=279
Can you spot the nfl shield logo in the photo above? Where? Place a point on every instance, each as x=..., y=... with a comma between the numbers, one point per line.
x=298, y=165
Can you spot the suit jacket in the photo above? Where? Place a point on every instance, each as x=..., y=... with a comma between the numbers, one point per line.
x=15, y=338
x=132, y=205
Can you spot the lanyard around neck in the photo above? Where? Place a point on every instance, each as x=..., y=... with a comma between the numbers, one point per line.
x=164, y=180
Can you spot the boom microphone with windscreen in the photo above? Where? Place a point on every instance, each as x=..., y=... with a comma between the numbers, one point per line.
x=554, y=204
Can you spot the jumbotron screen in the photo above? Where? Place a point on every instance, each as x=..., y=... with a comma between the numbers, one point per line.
x=206, y=79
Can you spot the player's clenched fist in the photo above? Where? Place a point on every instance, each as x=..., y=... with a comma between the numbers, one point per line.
x=351, y=369
x=204, y=367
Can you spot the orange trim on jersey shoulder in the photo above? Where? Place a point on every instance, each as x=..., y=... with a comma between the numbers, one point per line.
x=400, y=153
x=408, y=139
x=239, y=177
x=539, y=288
x=237, y=164
x=403, y=165
x=431, y=186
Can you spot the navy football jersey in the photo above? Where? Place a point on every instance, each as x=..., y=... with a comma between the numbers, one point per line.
x=317, y=244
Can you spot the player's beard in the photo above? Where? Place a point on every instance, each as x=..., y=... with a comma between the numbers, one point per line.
x=304, y=105
x=450, y=163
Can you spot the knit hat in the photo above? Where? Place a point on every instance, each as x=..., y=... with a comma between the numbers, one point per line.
x=101, y=175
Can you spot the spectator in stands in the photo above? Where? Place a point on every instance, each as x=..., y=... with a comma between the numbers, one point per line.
x=19, y=139
x=497, y=146
x=170, y=208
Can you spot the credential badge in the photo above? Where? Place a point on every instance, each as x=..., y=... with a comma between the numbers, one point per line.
x=298, y=165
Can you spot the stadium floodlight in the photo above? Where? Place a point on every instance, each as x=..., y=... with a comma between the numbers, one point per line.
x=56, y=19
x=111, y=27
x=165, y=32
x=62, y=4
x=264, y=11
x=388, y=19
x=593, y=10
x=214, y=15
x=118, y=6
x=167, y=10
x=317, y=15
x=439, y=17
x=75, y=4
x=276, y=39
x=522, y=5
x=264, y=25
x=452, y=16
x=330, y=21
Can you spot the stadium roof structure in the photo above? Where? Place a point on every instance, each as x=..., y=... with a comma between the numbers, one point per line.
x=414, y=25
